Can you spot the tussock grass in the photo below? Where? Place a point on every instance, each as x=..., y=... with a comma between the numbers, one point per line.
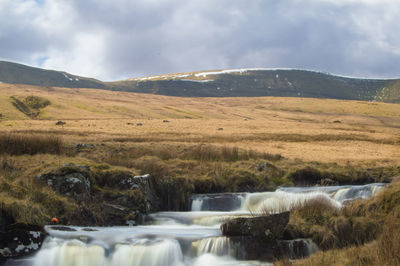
x=365, y=232
x=17, y=144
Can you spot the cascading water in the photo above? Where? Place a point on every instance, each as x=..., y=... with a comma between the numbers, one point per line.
x=185, y=238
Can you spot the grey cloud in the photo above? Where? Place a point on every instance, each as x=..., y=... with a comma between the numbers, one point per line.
x=144, y=37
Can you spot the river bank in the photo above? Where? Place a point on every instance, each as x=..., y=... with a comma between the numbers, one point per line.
x=107, y=184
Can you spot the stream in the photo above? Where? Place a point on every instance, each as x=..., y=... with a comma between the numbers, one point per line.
x=183, y=238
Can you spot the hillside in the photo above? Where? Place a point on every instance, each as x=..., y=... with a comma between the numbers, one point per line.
x=329, y=130
x=20, y=74
x=264, y=82
x=222, y=83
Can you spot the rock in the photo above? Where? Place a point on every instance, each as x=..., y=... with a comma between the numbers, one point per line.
x=89, y=229
x=265, y=166
x=266, y=228
x=296, y=248
x=20, y=239
x=254, y=249
x=81, y=146
x=60, y=123
x=68, y=181
x=143, y=184
x=329, y=182
x=85, y=167
x=62, y=228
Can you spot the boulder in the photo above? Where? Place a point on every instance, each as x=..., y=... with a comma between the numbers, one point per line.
x=268, y=227
x=68, y=181
x=142, y=183
x=20, y=239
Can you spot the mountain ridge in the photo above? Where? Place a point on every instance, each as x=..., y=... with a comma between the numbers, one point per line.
x=242, y=82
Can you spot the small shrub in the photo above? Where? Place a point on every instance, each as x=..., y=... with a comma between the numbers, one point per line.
x=36, y=102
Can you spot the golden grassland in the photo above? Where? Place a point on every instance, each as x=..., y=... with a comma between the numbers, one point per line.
x=206, y=145
x=308, y=129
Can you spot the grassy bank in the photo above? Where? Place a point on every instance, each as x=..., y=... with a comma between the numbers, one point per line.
x=365, y=232
x=176, y=171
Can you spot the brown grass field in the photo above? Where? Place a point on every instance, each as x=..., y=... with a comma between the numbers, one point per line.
x=324, y=130
x=206, y=145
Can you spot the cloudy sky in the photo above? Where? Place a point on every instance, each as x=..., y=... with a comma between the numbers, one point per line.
x=116, y=39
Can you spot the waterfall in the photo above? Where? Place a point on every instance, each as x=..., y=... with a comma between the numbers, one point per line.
x=148, y=253
x=73, y=252
x=142, y=252
x=196, y=204
x=280, y=201
x=355, y=192
x=217, y=202
x=188, y=238
x=214, y=245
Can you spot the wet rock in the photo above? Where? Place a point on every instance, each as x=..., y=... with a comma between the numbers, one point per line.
x=69, y=181
x=267, y=228
x=296, y=248
x=20, y=239
x=216, y=202
x=63, y=228
x=254, y=249
x=89, y=229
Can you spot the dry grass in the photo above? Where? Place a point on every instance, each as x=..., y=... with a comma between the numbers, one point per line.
x=17, y=144
x=367, y=132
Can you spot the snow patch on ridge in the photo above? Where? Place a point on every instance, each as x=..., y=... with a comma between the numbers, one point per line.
x=198, y=80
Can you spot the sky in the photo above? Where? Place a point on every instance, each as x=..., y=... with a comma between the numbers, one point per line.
x=118, y=39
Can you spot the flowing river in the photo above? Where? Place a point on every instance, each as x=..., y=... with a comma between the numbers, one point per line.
x=182, y=238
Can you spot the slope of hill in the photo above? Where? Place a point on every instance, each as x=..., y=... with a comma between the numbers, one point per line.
x=262, y=82
x=20, y=74
x=222, y=83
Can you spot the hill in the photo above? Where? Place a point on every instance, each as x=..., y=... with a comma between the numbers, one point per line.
x=222, y=83
x=20, y=74
x=264, y=82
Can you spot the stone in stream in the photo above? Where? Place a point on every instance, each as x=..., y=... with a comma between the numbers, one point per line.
x=268, y=227
x=257, y=236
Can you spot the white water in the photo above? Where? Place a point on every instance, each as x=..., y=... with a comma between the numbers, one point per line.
x=184, y=238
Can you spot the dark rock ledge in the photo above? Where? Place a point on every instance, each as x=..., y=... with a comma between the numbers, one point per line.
x=261, y=238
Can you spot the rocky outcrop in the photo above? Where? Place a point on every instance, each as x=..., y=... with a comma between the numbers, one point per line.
x=69, y=181
x=267, y=228
x=19, y=239
x=258, y=237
